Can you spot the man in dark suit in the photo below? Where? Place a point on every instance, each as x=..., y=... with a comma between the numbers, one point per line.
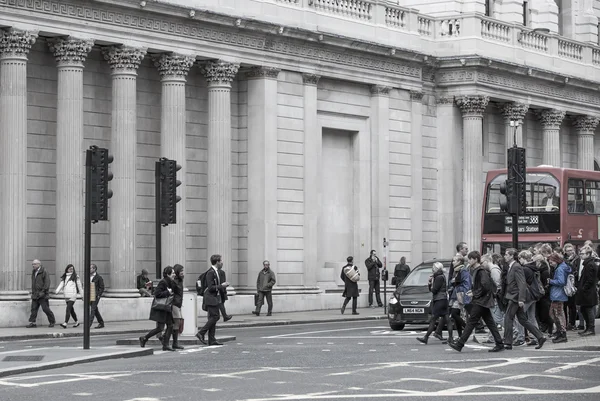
x=516, y=293
x=40, y=286
x=211, y=301
x=224, y=298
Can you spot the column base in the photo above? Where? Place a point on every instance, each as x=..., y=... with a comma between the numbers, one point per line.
x=15, y=296
x=121, y=293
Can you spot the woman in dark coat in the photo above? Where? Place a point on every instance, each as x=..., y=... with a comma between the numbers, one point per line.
x=350, y=287
x=439, y=307
x=164, y=289
x=586, y=296
x=177, y=302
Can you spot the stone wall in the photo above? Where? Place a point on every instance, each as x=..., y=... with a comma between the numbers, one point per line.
x=431, y=197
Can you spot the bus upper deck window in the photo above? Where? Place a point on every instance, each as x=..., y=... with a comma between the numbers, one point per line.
x=575, y=202
x=592, y=197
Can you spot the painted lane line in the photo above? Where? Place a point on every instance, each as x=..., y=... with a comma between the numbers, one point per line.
x=527, y=376
x=315, y=332
x=325, y=350
x=83, y=394
x=572, y=365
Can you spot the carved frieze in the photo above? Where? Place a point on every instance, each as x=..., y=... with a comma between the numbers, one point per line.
x=262, y=72
x=416, y=96
x=514, y=111
x=173, y=65
x=123, y=58
x=585, y=124
x=220, y=72
x=70, y=51
x=310, y=79
x=380, y=90
x=472, y=106
x=444, y=100
x=551, y=118
x=16, y=42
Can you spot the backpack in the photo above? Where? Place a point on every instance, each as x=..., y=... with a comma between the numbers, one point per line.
x=201, y=286
x=570, y=288
x=536, y=289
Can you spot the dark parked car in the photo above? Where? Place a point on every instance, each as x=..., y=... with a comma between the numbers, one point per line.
x=411, y=301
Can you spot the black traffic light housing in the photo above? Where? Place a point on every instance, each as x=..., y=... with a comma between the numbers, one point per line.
x=100, y=176
x=517, y=171
x=168, y=190
x=508, y=202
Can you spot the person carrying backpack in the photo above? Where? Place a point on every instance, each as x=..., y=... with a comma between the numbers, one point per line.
x=558, y=296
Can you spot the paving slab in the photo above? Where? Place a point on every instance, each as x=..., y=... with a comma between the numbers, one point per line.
x=183, y=340
x=38, y=359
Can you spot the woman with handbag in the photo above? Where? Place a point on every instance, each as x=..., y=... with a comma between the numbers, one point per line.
x=177, y=302
x=350, y=286
x=71, y=285
x=161, y=311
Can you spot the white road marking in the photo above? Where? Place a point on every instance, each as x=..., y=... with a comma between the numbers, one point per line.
x=526, y=376
x=325, y=350
x=572, y=365
x=411, y=379
x=278, y=352
x=314, y=332
x=211, y=389
x=372, y=350
x=83, y=394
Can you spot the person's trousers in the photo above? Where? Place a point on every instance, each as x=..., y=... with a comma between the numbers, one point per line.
x=498, y=317
x=513, y=309
x=571, y=311
x=374, y=287
x=211, y=324
x=589, y=317
x=542, y=312
x=222, y=309
x=35, y=306
x=443, y=319
x=95, y=313
x=261, y=301
x=459, y=323
x=530, y=308
x=158, y=330
x=479, y=312
x=354, y=303
x=558, y=315
x=70, y=312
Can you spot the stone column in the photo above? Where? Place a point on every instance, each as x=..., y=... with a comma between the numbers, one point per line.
x=14, y=48
x=70, y=54
x=585, y=125
x=219, y=75
x=173, y=69
x=124, y=62
x=380, y=166
x=513, y=111
x=313, y=142
x=472, y=108
x=416, y=162
x=262, y=171
x=551, y=120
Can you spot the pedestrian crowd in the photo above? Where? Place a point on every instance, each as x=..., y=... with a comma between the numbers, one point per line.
x=528, y=295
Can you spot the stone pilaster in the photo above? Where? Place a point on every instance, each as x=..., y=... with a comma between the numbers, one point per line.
x=173, y=70
x=544, y=14
x=70, y=54
x=585, y=125
x=124, y=62
x=380, y=164
x=472, y=108
x=586, y=22
x=262, y=171
x=313, y=142
x=14, y=48
x=513, y=111
x=219, y=75
x=551, y=120
x=416, y=164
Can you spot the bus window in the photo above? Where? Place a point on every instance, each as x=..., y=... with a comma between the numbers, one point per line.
x=592, y=197
x=575, y=196
x=542, y=193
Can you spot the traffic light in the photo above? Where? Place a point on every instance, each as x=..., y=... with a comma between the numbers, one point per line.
x=168, y=190
x=100, y=176
x=517, y=171
x=508, y=202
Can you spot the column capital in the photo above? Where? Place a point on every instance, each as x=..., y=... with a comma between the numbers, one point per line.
x=70, y=51
x=220, y=72
x=16, y=42
x=472, y=106
x=380, y=90
x=585, y=125
x=416, y=96
x=173, y=65
x=514, y=111
x=123, y=58
x=310, y=79
x=551, y=118
x=262, y=72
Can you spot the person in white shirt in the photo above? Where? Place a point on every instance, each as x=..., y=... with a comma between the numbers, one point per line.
x=550, y=202
x=71, y=286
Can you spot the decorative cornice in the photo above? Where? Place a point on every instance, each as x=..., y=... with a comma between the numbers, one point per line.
x=124, y=58
x=262, y=72
x=585, y=124
x=514, y=111
x=310, y=79
x=173, y=65
x=445, y=100
x=70, y=51
x=472, y=106
x=551, y=118
x=380, y=90
x=16, y=42
x=220, y=72
x=416, y=96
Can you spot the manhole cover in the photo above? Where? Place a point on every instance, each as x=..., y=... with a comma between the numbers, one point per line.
x=23, y=358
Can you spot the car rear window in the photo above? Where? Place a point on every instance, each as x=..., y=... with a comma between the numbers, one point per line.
x=420, y=275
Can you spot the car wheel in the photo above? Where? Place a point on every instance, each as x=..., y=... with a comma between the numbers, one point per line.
x=396, y=326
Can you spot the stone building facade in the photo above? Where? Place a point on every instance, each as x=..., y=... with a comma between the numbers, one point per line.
x=308, y=130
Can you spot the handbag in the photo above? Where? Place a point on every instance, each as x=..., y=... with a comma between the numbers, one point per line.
x=181, y=322
x=163, y=304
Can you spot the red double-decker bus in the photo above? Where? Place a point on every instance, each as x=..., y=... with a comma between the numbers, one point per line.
x=563, y=205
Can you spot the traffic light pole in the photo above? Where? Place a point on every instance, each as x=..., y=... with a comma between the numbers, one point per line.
x=157, y=220
x=515, y=231
x=87, y=249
